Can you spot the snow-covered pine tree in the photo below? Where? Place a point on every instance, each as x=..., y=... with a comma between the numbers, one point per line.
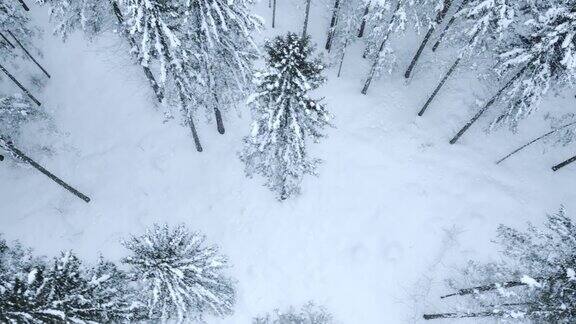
x=535, y=282
x=345, y=30
x=483, y=24
x=538, y=60
x=178, y=276
x=15, y=112
x=220, y=39
x=285, y=117
x=308, y=314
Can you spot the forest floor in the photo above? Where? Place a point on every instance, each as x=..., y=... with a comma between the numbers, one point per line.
x=394, y=211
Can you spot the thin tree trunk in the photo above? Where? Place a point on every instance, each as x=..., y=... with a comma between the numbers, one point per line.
x=563, y=164
x=24, y=5
x=448, y=25
x=132, y=42
x=332, y=28
x=534, y=141
x=194, y=133
x=306, y=17
x=363, y=24
x=269, y=3
x=7, y=41
x=446, y=76
x=10, y=147
x=486, y=106
x=29, y=55
x=489, y=287
x=20, y=86
x=439, y=18
x=382, y=46
x=273, y=13
x=342, y=57
x=458, y=315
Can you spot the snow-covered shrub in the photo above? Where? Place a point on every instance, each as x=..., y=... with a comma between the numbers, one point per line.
x=536, y=281
x=178, y=275
x=285, y=117
x=308, y=314
x=15, y=112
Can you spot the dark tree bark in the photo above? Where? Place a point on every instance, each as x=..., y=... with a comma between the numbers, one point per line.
x=363, y=23
x=486, y=106
x=445, y=78
x=306, y=18
x=534, y=141
x=194, y=133
x=7, y=41
x=439, y=18
x=132, y=42
x=448, y=25
x=29, y=55
x=269, y=3
x=489, y=287
x=20, y=86
x=24, y=5
x=342, y=57
x=273, y=13
x=382, y=46
x=563, y=164
x=332, y=28
x=10, y=147
x=458, y=315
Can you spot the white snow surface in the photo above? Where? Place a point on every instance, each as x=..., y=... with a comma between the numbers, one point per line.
x=394, y=211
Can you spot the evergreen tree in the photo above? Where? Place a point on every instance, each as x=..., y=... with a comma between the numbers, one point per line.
x=285, y=117
x=344, y=32
x=308, y=314
x=535, y=282
x=178, y=276
x=15, y=112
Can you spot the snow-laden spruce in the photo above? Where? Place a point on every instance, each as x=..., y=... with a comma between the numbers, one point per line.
x=62, y=290
x=536, y=281
x=308, y=314
x=285, y=116
x=178, y=276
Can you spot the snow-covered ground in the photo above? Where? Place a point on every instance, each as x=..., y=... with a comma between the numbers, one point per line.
x=394, y=211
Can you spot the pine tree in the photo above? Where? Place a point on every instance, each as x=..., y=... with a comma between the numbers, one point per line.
x=285, y=117
x=535, y=282
x=15, y=112
x=308, y=314
x=542, y=59
x=178, y=276
x=345, y=29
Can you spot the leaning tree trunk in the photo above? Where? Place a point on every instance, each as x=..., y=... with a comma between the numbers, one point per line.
x=439, y=18
x=342, y=57
x=194, y=133
x=534, y=141
x=332, y=28
x=29, y=55
x=563, y=164
x=458, y=315
x=273, y=13
x=448, y=25
x=487, y=105
x=381, y=49
x=7, y=41
x=446, y=77
x=132, y=42
x=489, y=287
x=20, y=86
x=24, y=5
x=364, y=18
x=306, y=18
x=10, y=148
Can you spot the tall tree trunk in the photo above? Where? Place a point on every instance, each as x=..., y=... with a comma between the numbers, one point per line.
x=534, y=141
x=10, y=147
x=20, y=86
x=363, y=23
x=381, y=49
x=458, y=315
x=487, y=105
x=194, y=133
x=155, y=87
x=448, y=25
x=439, y=18
x=447, y=75
x=489, y=287
x=563, y=164
x=29, y=55
x=332, y=28
x=342, y=57
x=24, y=5
x=7, y=41
x=306, y=18
x=273, y=13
